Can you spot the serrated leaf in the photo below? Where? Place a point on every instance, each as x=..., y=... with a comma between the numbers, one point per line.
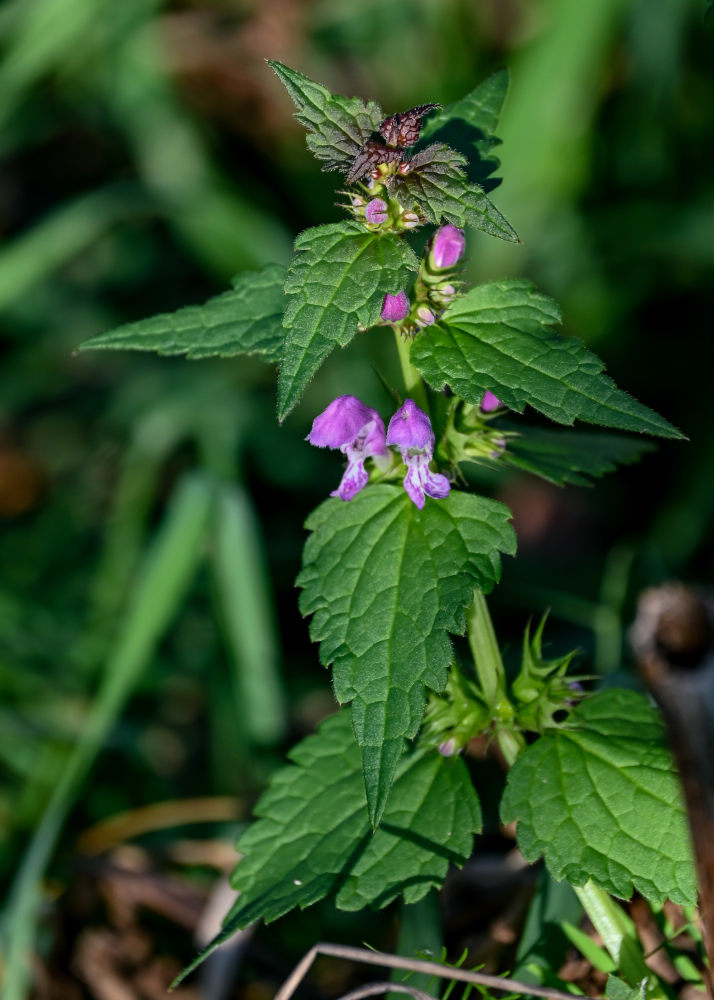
x=313, y=837
x=337, y=279
x=385, y=583
x=469, y=125
x=569, y=456
x=338, y=126
x=499, y=336
x=245, y=320
x=438, y=187
x=602, y=801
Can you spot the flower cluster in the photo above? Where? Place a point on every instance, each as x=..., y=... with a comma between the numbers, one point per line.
x=434, y=288
x=358, y=432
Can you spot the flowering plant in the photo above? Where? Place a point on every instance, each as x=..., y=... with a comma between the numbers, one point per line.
x=380, y=801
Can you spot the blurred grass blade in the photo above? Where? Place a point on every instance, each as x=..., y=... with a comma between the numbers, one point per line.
x=160, y=588
x=222, y=223
x=245, y=609
x=61, y=235
x=543, y=944
x=153, y=436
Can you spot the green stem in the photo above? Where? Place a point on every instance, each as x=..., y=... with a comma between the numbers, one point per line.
x=484, y=649
x=619, y=937
x=413, y=385
x=491, y=676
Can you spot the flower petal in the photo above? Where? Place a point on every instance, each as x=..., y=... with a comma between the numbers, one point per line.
x=436, y=485
x=354, y=479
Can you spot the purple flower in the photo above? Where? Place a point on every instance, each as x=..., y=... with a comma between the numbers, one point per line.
x=376, y=211
x=447, y=248
x=410, y=431
x=489, y=403
x=395, y=307
x=358, y=431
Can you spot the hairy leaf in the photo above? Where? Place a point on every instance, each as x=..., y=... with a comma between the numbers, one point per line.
x=384, y=583
x=602, y=801
x=246, y=320
x=338, y=126
x=337, y=279
x=438, y=187
x=499, y=336
x=570, y=456
x=469, y=125
x=313, y=837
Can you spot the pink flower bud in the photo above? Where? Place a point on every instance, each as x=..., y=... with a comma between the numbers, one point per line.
x=409, y=220
x=395, y=307
x=424, y=316
x=489, y=403
x=447, y=247
x=376, y=211
x=447, y=747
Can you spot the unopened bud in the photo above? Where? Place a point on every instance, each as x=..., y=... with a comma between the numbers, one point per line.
x=447, y=748
x=404, y=168
x=489, y=403
x=395, y=307
x=499, y=446
x=376, y=211
x=409, y=220
x=424, y=316
x=443, y=294
x=447, y=247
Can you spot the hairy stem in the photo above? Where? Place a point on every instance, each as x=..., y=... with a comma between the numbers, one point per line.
x=491, y=676
x=413, y=385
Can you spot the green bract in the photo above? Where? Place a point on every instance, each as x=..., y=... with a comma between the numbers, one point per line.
x=600, y=800
x=385, y=583
x=337, y=279
x=313, y=837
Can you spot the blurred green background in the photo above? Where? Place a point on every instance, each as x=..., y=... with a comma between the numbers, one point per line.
x=151, y=509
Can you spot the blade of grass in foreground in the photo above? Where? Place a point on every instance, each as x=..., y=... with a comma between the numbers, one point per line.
x=245, y=607
x=167, y=570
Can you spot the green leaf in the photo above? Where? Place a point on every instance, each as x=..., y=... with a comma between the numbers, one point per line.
x=469, y=125
x=439, y=188
x=602, y=801
x=618, y=989
x=337, y=279
x=498, y=336
x=246, y=320
x=338, y=126
x=313, y=838
x=385, y=582
x=570, y=456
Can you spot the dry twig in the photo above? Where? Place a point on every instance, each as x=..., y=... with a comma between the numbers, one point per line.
x=412, y=965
